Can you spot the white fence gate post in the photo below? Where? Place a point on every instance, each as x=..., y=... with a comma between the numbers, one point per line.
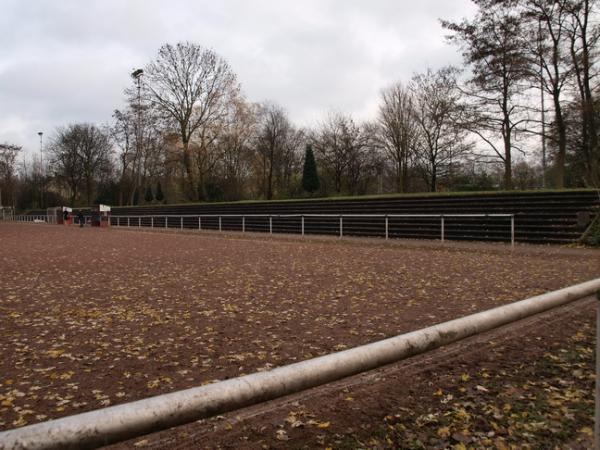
x=442, y=229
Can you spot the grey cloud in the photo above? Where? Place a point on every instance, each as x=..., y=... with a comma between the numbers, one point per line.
x=69, y=60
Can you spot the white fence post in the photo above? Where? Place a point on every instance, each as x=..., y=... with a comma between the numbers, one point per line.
x=341, y=226
x=387, y=227
x=512, y=230
x=181, y=223
x=302, y=225
x=220, y=224
x=152, y=222
x=166, y=222
x=442, y=228
x=128, y=222
x=243, y=224
x=270, y=224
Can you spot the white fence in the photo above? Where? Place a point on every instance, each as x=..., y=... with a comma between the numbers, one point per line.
x=215, y=221
x=30, y=218
x=199, y=222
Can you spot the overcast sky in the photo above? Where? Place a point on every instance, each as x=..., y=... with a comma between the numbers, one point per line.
x=64, y=61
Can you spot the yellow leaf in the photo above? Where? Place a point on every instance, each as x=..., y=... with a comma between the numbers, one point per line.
x=463, y=415
x=443, y=432
x=500, y=445
x=19, y=422
x=323, y=425
x=281, y=435
x=55, y=353
x=459, y=446
x=439, y=393
x=465, y=377
x=153, y=384
x=586, y=430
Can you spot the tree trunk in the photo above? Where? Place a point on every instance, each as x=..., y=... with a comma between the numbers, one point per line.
x=88, y=186
x=506, y=136
x=508, y=182
x=187, y=163
x=562, y=145
x=270, y=178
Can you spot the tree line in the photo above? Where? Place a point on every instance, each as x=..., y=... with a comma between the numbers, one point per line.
x=521, y=112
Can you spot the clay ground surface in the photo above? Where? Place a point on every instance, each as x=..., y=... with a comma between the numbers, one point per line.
x=96, y=317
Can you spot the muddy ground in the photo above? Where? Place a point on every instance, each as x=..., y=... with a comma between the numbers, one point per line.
x=91, y=318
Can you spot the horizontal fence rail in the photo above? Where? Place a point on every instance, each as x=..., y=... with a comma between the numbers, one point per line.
x=41, y=218
x=436, y=225
x=29, y=218
x=341, y=224
x=129, y=420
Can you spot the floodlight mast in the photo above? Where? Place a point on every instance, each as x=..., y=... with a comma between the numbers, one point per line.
x=137, y=76
x=41, y=134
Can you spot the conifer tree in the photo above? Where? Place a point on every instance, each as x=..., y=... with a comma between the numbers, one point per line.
x=310, y=178
x=159, y=193
x=148, y=196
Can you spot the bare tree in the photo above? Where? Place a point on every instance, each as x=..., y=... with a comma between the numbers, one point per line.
x=546, y=33
x=66, y=159
x=81, y=156
x=493, y=46
x=138, y=132
x=8, y=160
x=397, y=130
x=583, y=34
x=191, y=85
x=338, y=143
x=272, y=144
x=437, y=113
x=236, y=146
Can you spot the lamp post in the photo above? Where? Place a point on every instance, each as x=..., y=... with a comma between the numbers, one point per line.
x=41, y=135
x=137, y=76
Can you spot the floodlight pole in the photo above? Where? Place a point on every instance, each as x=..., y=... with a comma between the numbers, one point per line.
x=137, y=76
x=41, y=135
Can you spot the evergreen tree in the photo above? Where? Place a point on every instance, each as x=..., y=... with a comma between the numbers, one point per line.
x=159, y=193
x=310, y=178
x=148, y=196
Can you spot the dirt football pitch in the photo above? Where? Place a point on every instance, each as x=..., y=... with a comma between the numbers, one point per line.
x=97, y=317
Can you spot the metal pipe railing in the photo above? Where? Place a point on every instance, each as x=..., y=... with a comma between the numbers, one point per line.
x=29, y=218
x=116, y=220
x=302, y=217
x=129, y=420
